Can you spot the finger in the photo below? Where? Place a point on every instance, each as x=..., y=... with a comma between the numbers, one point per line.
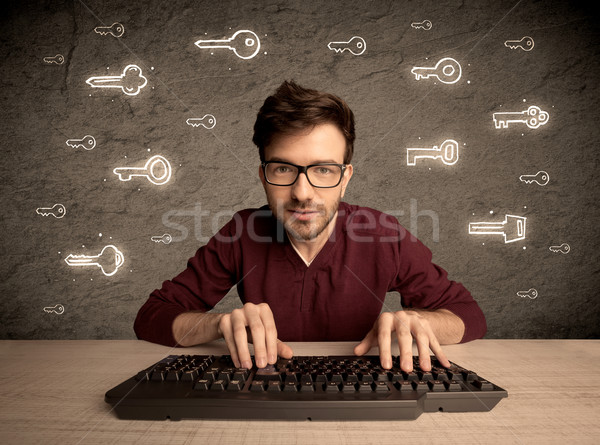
x=366, y=344
x=437, y=350
x=257, y=331
x=385, y=326
x=284, y=350
x=227, y=332
x=238, y=324
x=404, y=344
x=422, y=340
x=270, y=333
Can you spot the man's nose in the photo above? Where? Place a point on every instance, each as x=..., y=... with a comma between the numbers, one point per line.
x=301, y=189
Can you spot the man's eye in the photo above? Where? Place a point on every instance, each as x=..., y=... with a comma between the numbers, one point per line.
x=323, y=170
x=282, y=170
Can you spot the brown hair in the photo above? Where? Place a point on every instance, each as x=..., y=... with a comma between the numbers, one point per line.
x=294, y=108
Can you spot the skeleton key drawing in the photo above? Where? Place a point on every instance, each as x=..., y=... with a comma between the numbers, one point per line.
x=564, y=248
x=531, y=293
x=58, y=59
x=425, y=24
x=130, y=82
x=447, y=152
x=356, y=45
x=208, y=121
x=149, y=170
x=88, y=142
x=166, y=238
x=526, y=43
x=108, y=260
x=540, y=178
x=116, y=30
x=244, y=43
x=532, y=116
x=447, y=70
x=57, y=309
x=57, y=210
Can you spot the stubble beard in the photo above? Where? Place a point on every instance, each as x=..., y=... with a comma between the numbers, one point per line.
x=304, y=230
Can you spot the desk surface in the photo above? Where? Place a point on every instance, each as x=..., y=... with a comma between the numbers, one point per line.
x=52, y=392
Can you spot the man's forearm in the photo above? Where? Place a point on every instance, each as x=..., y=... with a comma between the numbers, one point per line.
x=196, y=327
x=447, y=327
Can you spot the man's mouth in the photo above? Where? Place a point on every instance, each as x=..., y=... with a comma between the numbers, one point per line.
x=303, y=215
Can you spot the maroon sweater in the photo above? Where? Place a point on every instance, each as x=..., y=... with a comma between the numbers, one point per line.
x=337, y=298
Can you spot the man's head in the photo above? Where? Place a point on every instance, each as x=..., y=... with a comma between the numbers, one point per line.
x=302, y=127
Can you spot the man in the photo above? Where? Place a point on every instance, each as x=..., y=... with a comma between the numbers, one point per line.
x=307, y=266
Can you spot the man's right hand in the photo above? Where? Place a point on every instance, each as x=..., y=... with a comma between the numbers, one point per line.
x=253, y=323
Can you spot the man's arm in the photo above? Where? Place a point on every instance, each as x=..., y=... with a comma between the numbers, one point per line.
x=196, y=327
x=447, y=327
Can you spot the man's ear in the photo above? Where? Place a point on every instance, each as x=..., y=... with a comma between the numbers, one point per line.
x=346, y=178
x=261, y=175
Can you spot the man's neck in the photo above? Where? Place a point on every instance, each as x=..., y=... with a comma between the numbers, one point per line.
x=309, y=249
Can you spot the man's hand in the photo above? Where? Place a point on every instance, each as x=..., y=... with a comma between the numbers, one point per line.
x=406, y=324
x=253, y=323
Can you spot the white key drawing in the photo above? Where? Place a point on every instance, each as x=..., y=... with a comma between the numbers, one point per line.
x=425, y=24
x=57, y=309
x=564, y=248
x=540, y=178
x=531, y=293
x=166, y=238
x=532, y=116
x=88, y=142
x=512, y=228
x=526, y=43
x=130, y=82
x=447, y=70
x=149, y=170
x=115, y=30
x=356, y=45
x=447, y=152
x=108, y=260
x=58, y=59
x=208, y=121
x=244, y=43
x=57, y=210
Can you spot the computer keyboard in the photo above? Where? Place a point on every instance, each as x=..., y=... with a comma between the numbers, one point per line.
x=301, y=388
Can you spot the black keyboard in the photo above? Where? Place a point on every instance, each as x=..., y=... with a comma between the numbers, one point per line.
x=313, y=388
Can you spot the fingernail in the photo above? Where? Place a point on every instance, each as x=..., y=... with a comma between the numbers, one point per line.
x=247, y=365
x=261, y=362
x=272, y=358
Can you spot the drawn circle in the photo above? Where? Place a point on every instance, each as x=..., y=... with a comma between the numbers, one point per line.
x=165, y=171
x=448, y=70
x=359, y=45
x=249, y=42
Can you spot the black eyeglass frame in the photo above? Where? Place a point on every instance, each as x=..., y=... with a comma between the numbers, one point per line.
x=304, y=169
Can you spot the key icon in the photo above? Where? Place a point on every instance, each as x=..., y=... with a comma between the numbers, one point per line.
x=564, y=248
x=58, y=59
x=356, y=45
x=88, y=142
x=108, y=260
x=512, y=228
x=157, y=170
x=208, y=121
x=57, y=309
x=130, y=82
x=116, y=30
x=57, y=210
x=540, y=178
x=531, y=293
x=526, y=43
x=447, y=152
x=244, y=43
x=425, y=24
x=447, y=70
x=166, y=238
x=533, y=117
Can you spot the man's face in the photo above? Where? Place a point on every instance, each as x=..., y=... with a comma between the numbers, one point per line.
x=304, y=210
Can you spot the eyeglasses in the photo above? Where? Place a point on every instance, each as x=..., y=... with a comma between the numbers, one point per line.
x=325, y=175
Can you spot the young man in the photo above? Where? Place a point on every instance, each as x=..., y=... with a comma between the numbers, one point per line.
x=309, y=267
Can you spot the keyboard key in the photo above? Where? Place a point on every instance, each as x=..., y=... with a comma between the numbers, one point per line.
x=482, y=384
x=290, y=387
x=436, y=385
x=420, y=385
x=258, y=385
x=241, y=374
x=452, y=385
x=349, y=387
x=307, y=387
x=235, y=385
x=202, y=385
x=381, y=386
x=218, y=385
x=403, y=385
x=332, y=387
x=274, y=386
x=365, y=386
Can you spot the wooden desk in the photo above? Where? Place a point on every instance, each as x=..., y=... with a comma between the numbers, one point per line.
x=52, y=392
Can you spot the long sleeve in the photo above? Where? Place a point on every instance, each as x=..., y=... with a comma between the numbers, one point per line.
x=423, y=284
x=209, y=275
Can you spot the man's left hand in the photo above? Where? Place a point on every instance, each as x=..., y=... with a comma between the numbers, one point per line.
x=406, y=324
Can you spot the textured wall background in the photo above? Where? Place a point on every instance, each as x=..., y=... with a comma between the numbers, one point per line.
x=215, y=170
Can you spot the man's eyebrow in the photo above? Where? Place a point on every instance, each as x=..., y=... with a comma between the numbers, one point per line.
x=326, y=161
